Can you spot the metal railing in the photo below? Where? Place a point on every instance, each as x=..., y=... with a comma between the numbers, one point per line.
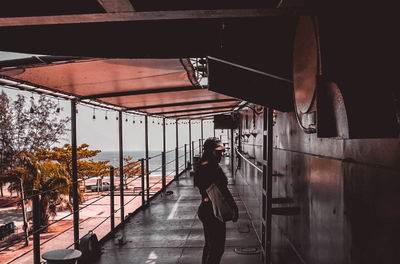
x=248, y=161
x=146, y=185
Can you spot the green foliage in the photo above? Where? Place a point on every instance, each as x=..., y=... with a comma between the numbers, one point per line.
x=131, y=169
x=26, y=126
x=48, y=177
x=86, y=166
x=50, y=171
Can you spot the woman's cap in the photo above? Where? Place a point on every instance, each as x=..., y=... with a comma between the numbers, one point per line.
x=213, y=143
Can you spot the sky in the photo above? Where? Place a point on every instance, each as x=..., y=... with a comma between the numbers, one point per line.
x=102, y=134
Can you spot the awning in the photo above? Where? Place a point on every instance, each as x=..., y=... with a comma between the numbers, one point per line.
x=162, y=87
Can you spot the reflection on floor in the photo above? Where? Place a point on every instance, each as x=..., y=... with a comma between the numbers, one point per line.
x=169, y=231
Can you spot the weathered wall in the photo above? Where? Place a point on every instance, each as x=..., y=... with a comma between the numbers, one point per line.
x=348, y=192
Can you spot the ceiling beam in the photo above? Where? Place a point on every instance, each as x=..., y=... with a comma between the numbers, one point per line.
x=139, y=92
x=196, y=114
x=182, y=104
x=195, y=110
x=151, y=16
x=209, y=115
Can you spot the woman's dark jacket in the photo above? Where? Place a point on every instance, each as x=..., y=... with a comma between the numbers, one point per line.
x=210, y=173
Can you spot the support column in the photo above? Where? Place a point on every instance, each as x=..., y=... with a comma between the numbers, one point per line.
x=190, y=142
x=240, y=144
x=36, y=226
x=267, y=185
x=121, y=166
x=202, y=137
x=146, y=134
x=232, y=155
x=112, y=209
x=163, y=158
x=74, y=161
x=177, y=149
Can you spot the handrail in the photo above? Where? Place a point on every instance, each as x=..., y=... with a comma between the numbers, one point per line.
x=104, y=195
x=251, y=163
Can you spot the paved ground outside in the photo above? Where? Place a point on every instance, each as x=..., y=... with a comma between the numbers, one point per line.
x=60, y=234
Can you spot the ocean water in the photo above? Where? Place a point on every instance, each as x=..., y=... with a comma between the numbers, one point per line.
x=155, y=161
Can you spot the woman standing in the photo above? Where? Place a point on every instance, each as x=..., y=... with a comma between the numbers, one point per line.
x=207, y=173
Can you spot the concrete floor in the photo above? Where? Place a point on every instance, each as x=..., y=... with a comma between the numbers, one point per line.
x=169, y=231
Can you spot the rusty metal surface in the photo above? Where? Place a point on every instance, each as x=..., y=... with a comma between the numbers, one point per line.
x=305, y=63
x=372, y=213
x=347, y=191
x=331, y=111
x=376, y=152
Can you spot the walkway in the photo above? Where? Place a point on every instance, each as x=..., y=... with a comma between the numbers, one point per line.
x=169, y=231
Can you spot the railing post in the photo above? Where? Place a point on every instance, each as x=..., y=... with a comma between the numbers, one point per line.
x=185, y=157
x=192, y=151
x=36, y=227
x=121, y=168
x=176, y=163
x=164, y=173
x=200, y=147
x=214, y=128
x=143, y=189
x=25, y=226
x=147, y=181
x=112, y=209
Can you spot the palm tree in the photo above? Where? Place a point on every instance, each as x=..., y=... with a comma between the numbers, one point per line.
x=48, y=177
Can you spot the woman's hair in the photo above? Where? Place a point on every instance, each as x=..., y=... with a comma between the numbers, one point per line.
x=208, y=147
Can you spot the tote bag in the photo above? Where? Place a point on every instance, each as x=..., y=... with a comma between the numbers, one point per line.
x=221, y=208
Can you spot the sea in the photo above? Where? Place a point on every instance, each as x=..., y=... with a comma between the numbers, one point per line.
x=155, y=161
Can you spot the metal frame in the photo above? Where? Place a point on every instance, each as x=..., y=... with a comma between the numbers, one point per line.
x=194, y=110
x=200, y=114
x=139, y=92
x=181, y=104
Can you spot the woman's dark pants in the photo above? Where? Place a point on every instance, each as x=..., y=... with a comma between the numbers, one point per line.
x=214, y=233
